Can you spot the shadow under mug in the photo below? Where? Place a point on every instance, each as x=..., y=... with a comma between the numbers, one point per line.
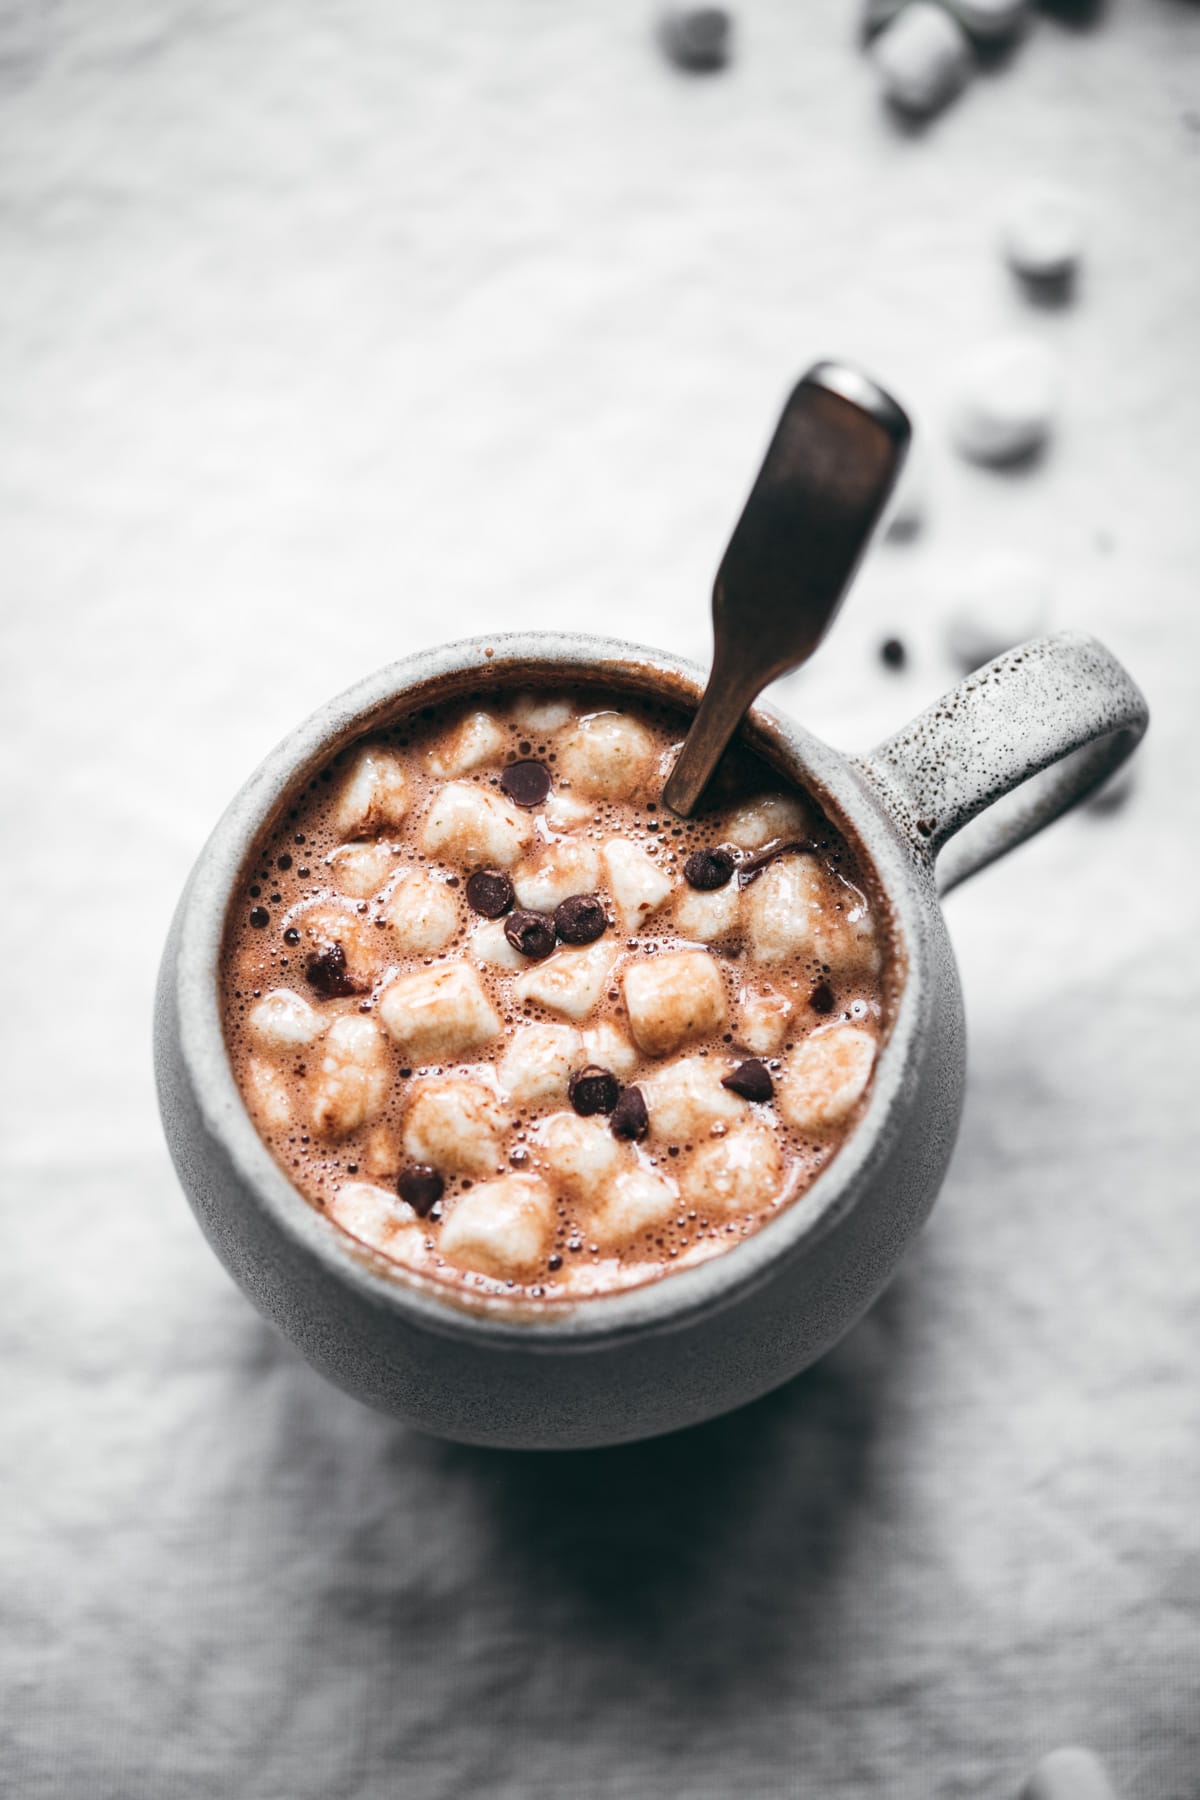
x=1015, y=745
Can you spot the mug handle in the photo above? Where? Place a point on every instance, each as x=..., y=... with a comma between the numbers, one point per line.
x=1023, y=739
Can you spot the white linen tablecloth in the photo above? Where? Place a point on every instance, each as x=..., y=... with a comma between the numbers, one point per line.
x=326, y=332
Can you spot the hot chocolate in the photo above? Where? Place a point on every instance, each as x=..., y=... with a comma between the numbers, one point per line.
x=514, y=1026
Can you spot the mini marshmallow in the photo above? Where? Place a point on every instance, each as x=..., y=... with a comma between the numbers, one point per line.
x=637, y=884
x=708, y=916
x=381, y=1153
x=571, y=982
x=374, y=795
x=1071, y=1772
x=672, y=999
x=376, y=1217
x=685, y=1099
x=610, y=1049
x=268, y=1094
x=1042, y=232
x=566, y=812
x=638, y=1200
x=281, y=1020
x=456, y=1125
x=360, y=870
x=352, y=1078
x=923, y=58
x=825, y=1077
x=556, y=872
x=538, y=1061
x=487, y=944
x=422, y=912
x=582, y=1155
x=324, y=923
x=763, y=1018
x=438, y=1013
x=606, y=756
x=782, y=908
x=1006, y=400
x=1003, y=598
x=464, y=824
x=539, y=713
x=501, y=1227
x=766, y=820
x=475, y=740
x=734, y=1173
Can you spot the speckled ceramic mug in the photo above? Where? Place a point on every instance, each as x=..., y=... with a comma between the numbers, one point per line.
x=693, y=1344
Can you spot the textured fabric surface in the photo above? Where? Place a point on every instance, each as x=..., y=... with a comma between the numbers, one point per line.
x=330, y=331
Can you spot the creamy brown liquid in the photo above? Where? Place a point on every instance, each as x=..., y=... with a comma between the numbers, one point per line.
x=295, y=927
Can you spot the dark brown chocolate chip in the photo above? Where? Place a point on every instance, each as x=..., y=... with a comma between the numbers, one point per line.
x=259, y=916
x=753, y=866
x=751, y=1079
x=821, y=999
x=892, y=653
x=526, y=783
x=328, y=974
x=593, y=1090
x=490, y=892
x=531, y=933
x=422, y=1187
x=580, y=919
x=629, y=1116
x=709, y=869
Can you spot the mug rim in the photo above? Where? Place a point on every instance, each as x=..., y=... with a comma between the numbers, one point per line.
x=511, y=660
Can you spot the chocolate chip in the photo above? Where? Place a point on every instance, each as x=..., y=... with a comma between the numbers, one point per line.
x=629, y=1116
x=422, y=1187
x=259, y=916
x=579, y=919
x=708, y=869
x=892, y=653
x=753, y=866
x=531, y=933
x=821, y=999
x=328, y=974
x=696, y=38
x=751, y=1079
x=593, y=1090
x=490, y=892
x=526, y=783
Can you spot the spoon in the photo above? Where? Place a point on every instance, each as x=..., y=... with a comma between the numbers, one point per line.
x=830, y=467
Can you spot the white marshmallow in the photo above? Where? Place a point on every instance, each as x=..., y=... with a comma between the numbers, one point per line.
x=422, y=912
x=782, y=908
x=556, y=872
x=734, y=1173
x=1042, y=231
x=282, y=1019
x=607, y=756
x=582, y=1155
x=456, y=1125
x=539, y=713
x=374, y=795
x=637, y=884
x=673, y=999
x=381, y=1152
x=538, y=1062
x=361, y=869
x=1006, y=400
x=825, y=1077
x=353, y=1076
x=708, y=916
x=989, y=20
x=488, y=944
x=757, y=823
x=610, y=1048
x=474, y=741
x=267, y=1092
x=1003, y=598
x=638, y=1200
x=923, y=58
x=685, y=1099
x=464, y=824
x=324, y=923
x=763, y=1019
x=571, y=982
x=377, y=1218
x=1071, y=1772
x=501, y=1227
x=566, y=812
x=438, y=1013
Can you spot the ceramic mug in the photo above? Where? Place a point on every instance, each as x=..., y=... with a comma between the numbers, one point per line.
x=1042, y=725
